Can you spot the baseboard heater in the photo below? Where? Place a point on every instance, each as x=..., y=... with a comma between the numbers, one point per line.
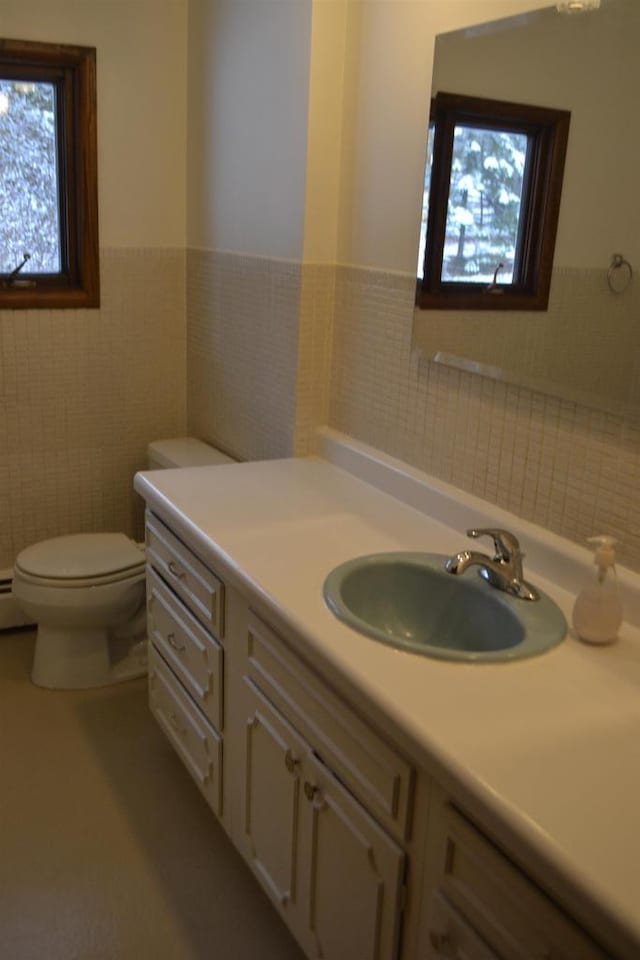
x=10, y=613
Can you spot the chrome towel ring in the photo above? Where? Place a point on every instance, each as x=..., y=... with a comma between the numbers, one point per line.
x=619, y=274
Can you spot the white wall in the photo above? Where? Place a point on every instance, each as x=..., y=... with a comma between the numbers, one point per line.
x=141, y=63
x=248, y=93
x=325, y=130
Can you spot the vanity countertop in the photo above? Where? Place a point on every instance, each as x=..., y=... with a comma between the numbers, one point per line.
x=544, y=752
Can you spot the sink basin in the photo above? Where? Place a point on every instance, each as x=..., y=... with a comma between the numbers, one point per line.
x=409, y=601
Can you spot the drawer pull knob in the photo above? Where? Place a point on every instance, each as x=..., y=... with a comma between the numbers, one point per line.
x=290, y=762
x=171, y=640
x=443, y=945
x=175, y=570
x=176, y=725
x=310, y=790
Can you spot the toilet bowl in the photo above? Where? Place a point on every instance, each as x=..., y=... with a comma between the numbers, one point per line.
x=80, y=590
x=86, y=593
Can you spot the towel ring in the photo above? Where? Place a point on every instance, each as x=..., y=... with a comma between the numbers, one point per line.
x=619, y=281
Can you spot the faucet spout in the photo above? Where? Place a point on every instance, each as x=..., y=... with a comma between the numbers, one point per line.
x=465, y=559
x=503, y=571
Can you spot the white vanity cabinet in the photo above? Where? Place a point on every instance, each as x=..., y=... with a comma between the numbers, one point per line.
x=313, y=773
x=362, y=853
x=185, y=610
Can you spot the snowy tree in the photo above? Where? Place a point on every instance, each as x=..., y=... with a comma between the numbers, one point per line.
x=484, y=203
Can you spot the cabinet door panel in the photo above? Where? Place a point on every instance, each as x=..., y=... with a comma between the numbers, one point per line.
x=354, y=874
x=271, y=798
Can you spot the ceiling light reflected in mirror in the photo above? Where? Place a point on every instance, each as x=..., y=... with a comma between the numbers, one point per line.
x=577, y=6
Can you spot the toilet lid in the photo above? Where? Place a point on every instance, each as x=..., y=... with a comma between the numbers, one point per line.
x=80, y=556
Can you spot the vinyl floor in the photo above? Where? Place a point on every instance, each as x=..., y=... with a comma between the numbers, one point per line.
x=107, y=849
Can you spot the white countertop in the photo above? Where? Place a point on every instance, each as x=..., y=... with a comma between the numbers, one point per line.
x=546, y=750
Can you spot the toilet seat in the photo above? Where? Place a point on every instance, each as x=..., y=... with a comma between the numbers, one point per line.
x=81, y=560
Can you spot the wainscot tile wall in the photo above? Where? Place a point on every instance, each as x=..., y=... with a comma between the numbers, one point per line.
x=314, y=354
x=582, y=341
x=258, y=352
x=82, y=392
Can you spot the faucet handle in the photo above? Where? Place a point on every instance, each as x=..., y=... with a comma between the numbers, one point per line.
x=507, y=545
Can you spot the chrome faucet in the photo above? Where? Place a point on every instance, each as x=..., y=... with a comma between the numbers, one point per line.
x=503, y=571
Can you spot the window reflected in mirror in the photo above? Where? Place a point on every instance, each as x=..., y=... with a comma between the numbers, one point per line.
x=492, y=189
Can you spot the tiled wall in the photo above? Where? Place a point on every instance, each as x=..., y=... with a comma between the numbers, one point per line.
x=242, y=319
x=82, y=392
x=567, y=467
x=258, y=352
x=584, y=341
x=314, y=353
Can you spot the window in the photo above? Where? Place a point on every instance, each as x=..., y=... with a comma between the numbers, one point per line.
x=48, y=176
x=492, y=197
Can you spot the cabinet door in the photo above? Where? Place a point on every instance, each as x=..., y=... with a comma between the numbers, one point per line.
x=334, y=873
x=353, y=874
x=271, y=798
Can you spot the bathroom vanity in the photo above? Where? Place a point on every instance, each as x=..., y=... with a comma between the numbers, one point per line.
x=391, y=805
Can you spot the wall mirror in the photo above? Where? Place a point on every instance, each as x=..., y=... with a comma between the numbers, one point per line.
x=584, y=347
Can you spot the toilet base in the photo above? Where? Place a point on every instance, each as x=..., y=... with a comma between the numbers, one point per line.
x=67, y=659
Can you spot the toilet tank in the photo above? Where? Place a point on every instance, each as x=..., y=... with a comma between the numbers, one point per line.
x=183, y=452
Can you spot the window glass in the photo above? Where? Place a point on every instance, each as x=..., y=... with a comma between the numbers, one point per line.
x=485, y=201
x=29, y=203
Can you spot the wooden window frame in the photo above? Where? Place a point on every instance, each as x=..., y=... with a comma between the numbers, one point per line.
x=548, y=133
x=72, y=70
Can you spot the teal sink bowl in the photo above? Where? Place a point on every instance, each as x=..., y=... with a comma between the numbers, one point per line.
x=408, y=600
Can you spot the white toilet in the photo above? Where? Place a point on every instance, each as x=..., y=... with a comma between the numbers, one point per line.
x=86, y=592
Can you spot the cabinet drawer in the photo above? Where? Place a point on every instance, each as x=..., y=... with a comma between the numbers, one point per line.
x=451, y=936
x=197, y=586
x=194, y=739
x=508, y=910
x=367, y=765
x=192, y=653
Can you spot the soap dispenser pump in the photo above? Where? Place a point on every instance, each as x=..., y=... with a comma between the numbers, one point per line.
x=597, y=612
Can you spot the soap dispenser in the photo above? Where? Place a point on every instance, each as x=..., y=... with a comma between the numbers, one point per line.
x=597, y=612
